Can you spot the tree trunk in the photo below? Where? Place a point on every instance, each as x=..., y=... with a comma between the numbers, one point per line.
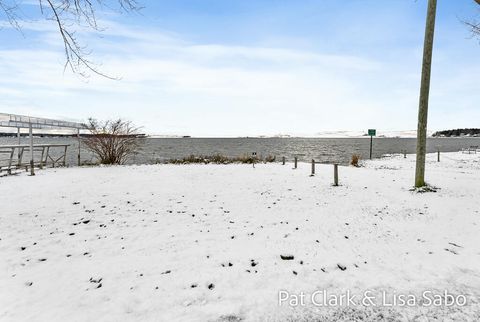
x=424, y=93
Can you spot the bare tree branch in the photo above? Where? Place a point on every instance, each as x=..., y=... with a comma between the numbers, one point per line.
x=474, y=27
x=11, y=13
x=69, y=16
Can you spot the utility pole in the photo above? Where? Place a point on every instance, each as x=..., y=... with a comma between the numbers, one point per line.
x=424, y=94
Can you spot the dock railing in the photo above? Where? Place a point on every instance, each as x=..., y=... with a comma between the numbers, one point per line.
x=11, y=156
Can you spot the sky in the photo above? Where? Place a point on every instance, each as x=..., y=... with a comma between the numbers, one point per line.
x=216, y=68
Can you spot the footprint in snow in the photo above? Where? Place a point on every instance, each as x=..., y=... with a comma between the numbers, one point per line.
x=453, y=244
x=97, y=281
x=342, y=267
x=451, y=251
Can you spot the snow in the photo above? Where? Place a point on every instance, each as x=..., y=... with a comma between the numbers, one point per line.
x=204, y=242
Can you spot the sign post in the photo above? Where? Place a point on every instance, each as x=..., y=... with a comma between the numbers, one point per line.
x=371, y=133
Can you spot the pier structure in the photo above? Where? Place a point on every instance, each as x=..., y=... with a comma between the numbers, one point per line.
x=15, y=153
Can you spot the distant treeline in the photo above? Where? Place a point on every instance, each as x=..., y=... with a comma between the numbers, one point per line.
x=457, y=132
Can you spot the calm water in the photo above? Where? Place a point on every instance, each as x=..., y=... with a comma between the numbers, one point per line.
x=321, y=149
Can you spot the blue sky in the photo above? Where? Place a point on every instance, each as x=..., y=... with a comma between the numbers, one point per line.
x=238, y=67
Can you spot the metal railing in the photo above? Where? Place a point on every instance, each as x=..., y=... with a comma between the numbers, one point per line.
x=47, y=154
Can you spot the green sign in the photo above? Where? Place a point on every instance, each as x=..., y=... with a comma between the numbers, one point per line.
x=372, y=132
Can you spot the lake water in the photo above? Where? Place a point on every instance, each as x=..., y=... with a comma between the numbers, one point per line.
x=326, y=150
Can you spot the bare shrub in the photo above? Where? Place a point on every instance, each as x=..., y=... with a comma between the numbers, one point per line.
x=270, y=158
x=112, y=141
x=220, y=159
x=217, y=158
x=246, y=159
x=355, y=159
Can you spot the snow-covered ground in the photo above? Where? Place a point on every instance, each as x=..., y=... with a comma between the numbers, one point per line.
x=204, y=242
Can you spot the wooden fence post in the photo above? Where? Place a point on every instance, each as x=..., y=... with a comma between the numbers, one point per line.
x=283, y=160
x=295, y=163
x=32, y=164
x=335, y=175
x=79, y=146
x=41, y=158
x=313, y=168
x=404, y=154
x=19, y=141
x=438, y=155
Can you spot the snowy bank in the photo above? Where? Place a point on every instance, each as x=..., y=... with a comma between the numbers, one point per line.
x=219, y=242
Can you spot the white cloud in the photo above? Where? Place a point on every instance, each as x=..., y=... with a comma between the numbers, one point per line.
x=173, y=86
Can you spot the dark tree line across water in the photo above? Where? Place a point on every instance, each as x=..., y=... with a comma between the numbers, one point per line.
x=457, y=132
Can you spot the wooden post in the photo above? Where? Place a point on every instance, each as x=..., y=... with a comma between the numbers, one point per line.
x=20, y=156
x=78, y=137
x=335, y=175
x=404, y=154
x=424, y=95
x=295, y=163
x=283, y=160
x=41, y=158
x=371, y=146
x=9, y=169
x=30, y=132
x=438, y=155
x=313, y=168
x=19, y=141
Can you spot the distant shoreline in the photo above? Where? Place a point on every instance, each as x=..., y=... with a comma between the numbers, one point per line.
x=24, y=135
